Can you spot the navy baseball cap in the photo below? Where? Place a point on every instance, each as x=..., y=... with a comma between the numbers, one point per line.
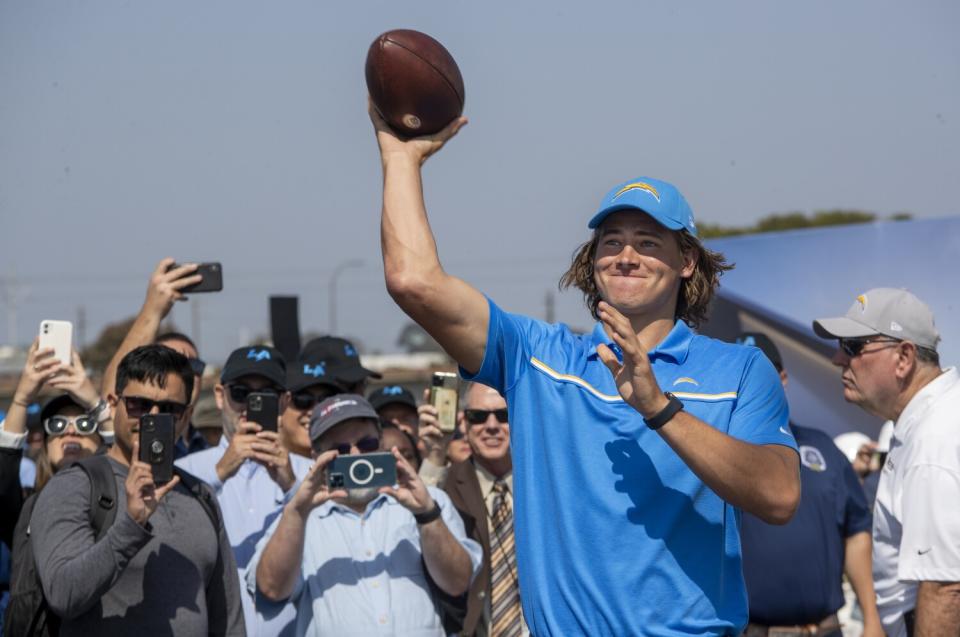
x=660, y=200
x=256, y=360
x=336, y=409
x=341, y=358
x=390, y=395
x=310, y=371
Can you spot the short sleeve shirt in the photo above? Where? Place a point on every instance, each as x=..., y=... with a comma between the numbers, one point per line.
x=794, y=571
x=916, y=527
x=615, y=535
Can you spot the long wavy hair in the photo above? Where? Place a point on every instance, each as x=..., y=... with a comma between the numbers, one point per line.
x=696, y=292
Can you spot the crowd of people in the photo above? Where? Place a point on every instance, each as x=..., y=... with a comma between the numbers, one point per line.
x=639, y=479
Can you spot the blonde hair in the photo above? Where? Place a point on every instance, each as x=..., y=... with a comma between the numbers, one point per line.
x=696, y=292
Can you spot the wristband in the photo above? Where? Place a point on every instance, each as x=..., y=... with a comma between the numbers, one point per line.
x=429, y=516
x=668, y=412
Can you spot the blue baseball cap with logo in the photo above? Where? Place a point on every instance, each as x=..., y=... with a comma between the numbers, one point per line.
x=660, y=200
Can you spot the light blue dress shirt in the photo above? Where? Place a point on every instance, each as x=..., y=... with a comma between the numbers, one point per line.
x=251, y=501
x=364, y=574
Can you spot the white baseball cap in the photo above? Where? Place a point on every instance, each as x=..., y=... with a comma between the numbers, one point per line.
x=888, y=311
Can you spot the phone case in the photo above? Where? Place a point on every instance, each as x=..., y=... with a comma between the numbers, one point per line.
x=157, y=433
x=212, y=274
x=59, y=336
x=263, y=408
x=444, y=394
x=363, y=471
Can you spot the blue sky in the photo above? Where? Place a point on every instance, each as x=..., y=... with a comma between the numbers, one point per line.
x=236, y=131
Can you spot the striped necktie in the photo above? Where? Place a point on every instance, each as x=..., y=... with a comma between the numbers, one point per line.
x=505, y=616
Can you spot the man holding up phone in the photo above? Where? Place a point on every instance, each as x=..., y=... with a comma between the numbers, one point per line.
x=161, y=567
x=251, y=472
x=364, y=561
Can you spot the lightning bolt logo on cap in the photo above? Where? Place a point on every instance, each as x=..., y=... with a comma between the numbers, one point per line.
x=638, y=185
x=862, y=300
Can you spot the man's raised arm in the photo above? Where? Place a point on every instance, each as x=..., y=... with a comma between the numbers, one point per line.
x=449, y=309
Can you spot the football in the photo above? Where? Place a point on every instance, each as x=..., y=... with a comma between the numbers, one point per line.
x=414, y=82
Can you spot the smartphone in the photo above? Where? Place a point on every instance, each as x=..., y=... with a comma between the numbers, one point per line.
x=157, y=433
x=59, y=336
x=444, y=394
x=212, y=274
x=363, y=471
x=263, y=408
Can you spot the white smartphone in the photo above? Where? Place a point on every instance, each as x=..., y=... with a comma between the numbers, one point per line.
x=59, y=336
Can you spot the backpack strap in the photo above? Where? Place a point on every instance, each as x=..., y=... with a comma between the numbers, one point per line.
x=103, y=492
x=201, y=493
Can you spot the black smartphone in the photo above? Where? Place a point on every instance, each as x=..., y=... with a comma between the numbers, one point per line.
x=263, y=408
x=212, y=274
x=363, y=471
x=157, y=433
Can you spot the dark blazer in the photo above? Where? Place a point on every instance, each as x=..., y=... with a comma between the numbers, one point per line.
x=463, y=487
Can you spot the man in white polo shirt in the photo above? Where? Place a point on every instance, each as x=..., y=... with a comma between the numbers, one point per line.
x=890, y=368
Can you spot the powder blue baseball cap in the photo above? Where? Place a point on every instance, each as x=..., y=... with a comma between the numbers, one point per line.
x=660, y=200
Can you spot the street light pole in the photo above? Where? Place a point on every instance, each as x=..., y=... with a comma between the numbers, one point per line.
x=337, y=271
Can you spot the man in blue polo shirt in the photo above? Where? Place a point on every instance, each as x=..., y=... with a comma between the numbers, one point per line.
x=626, y=497
x=794, y=572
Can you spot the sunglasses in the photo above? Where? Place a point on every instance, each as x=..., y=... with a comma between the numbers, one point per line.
x=364, y=445
x=57, y=425
x=138, y=406
x=305, y=401
x=239, y=393
x=197, y=365
x=479, y=416
x=853, y=347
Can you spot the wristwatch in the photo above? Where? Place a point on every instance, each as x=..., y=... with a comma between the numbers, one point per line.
x=428, y=516
x=666, y=413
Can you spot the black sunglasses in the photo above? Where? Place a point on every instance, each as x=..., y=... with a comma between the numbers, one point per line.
x=197, y=365
x=239, y=393
x=57, y=425
x=364, y=445
x=853, y=347
x=305, y=401
x=479, y=416
x=138, y=406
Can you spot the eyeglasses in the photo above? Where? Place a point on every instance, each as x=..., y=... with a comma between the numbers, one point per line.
x=197, y=365
x=57, y=425
x=364, y=445
x=853, y=347
x=305, y=401
x=239, y=393
x=479, y=416
x=137, y=406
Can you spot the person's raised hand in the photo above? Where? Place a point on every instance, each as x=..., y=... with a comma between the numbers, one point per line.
x=410, y=491
x=434, y=447
x=73, y=379
x=275, y=458
x=313, y=490
x=416, y=148
x=244, y=444
x=40, y=368
x=633, y=377
x=143, y=495
x=165, y=285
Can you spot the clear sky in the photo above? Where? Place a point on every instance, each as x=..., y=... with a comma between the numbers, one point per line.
x=237, y=131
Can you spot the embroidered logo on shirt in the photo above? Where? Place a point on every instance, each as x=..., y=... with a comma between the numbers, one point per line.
x=812, y=458
x=685, y=379
x=924, y=552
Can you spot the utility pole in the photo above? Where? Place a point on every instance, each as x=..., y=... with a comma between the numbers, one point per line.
x=12, y=293
x=81, y=328
x=195, y=321
x=337, y=271
x=550, y=308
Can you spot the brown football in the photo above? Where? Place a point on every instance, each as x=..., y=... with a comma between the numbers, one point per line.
x=414, y=82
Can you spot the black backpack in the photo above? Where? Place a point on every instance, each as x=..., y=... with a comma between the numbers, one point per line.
x=28, y=614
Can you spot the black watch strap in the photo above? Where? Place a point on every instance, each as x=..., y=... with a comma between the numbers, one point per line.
x=429, y=516
x=666, y=413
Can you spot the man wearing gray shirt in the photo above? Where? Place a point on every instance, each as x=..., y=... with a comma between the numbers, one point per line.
x=162, y=568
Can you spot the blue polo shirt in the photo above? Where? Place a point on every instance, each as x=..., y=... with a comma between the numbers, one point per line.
x=794, y=572
x=615, y=535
